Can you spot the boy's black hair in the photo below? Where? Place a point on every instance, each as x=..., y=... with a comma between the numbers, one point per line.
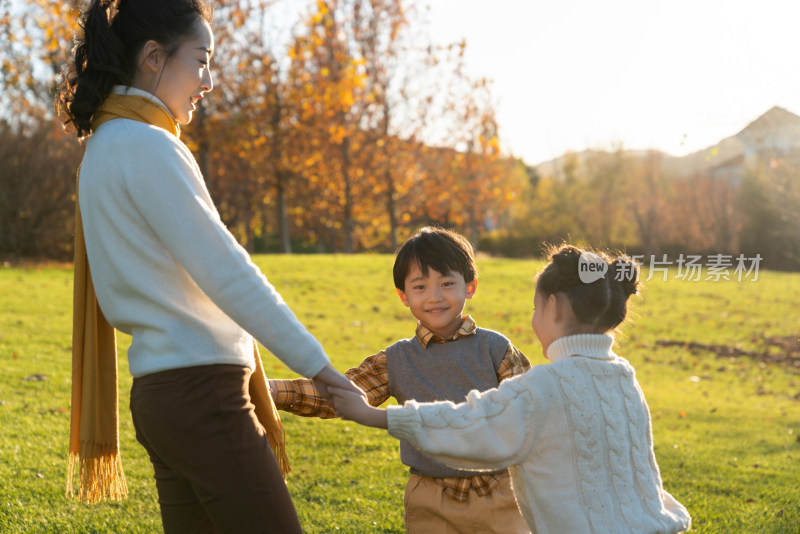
x=435, y=248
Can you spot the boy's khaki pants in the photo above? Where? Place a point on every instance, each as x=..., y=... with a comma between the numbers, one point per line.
x=429, y=511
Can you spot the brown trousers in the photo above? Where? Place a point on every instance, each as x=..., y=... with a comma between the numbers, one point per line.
x=215, y=471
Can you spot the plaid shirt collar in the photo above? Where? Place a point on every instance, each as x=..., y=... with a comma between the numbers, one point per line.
x=425, y=336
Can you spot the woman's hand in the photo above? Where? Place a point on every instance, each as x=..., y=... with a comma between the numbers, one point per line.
x=331, y=377
x=353, y=406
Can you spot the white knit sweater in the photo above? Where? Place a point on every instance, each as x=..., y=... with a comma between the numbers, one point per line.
x=165, y=268
x=575, y=435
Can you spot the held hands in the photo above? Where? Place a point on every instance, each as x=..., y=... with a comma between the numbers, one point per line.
x=347, y=399
x=331, y=377
x=353, y=405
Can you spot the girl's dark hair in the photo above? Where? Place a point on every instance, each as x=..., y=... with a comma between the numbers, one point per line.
x=623, y=281
x=602, y=303
x=436, y=248
x=114, y=32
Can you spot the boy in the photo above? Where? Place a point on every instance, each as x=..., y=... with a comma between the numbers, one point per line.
x=434, y=272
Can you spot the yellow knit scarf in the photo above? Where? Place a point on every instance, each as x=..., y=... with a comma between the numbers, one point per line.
x=94, y=457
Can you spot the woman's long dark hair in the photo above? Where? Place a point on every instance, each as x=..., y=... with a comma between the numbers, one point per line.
x=114, y=32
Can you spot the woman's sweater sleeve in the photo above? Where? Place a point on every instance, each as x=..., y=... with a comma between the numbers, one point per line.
x=490, y=430
x=170, y=193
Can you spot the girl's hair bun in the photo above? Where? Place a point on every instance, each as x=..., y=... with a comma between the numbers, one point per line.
x=588, y=300
x=602, y=303
x=566, y=262
x=625, y=272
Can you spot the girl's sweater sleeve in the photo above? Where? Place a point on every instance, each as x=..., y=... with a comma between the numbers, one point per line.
x=169, y=191
x=490, y=430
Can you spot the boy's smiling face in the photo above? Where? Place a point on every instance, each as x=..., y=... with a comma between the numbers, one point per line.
x=437, y=299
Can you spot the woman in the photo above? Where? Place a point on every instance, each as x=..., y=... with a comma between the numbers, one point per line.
x=167, y=271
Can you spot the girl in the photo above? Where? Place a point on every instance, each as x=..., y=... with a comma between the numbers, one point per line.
x=574, y=434
x=167, y=271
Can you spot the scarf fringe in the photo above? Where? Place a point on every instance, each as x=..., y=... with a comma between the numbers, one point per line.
x=267, y=413
x=98, y=473
x=277, y=441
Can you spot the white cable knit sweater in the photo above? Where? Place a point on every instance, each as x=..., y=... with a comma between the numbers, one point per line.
x=575, y=435
x=165, y=268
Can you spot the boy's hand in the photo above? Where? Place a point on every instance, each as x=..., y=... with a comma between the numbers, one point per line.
x=353, y=406
x=331, y=377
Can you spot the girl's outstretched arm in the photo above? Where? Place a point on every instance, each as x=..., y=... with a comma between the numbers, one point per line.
x=491, y=430
x=354, y=407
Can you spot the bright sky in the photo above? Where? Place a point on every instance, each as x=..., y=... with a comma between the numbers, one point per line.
x=676, y=75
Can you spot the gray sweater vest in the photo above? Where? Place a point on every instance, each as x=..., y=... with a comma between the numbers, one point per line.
x=442, y=371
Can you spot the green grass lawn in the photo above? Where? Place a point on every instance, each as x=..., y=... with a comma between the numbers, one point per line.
x=726, y=426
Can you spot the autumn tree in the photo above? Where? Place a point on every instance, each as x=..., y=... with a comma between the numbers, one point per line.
x=38, y=160
x=645, y=195
x=245, y=129
x=379, y=30
x=38, y=185
x=477, y=170
x=35, y=43
x=769, y=204
x=333, y=137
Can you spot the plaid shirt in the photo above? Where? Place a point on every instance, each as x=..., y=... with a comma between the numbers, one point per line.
x=300, y=397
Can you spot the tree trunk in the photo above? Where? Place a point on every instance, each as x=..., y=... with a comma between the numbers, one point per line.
x=390, y=207
x=283, y=217
x=348, y=198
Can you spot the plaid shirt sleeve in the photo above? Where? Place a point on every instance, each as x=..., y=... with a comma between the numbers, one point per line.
x=301, y=397
x=514, y=363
